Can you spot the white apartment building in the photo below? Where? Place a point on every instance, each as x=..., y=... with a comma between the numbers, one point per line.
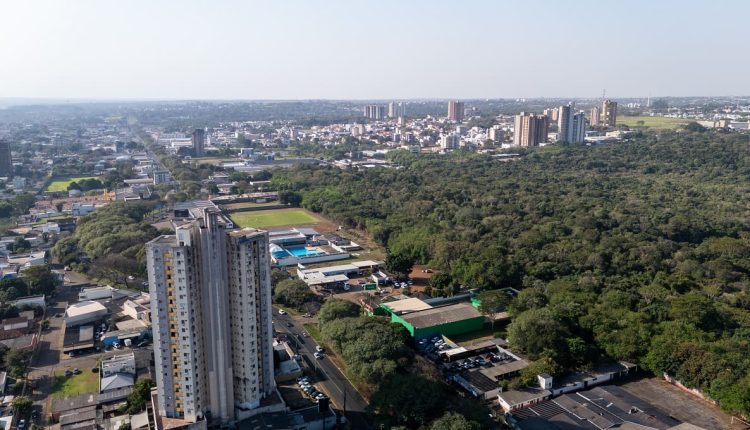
x=211, y=316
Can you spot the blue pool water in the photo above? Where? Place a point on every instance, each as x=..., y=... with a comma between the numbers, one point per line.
x=302, y=251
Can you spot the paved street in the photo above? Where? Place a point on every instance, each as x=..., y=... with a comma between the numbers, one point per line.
x=332, y=381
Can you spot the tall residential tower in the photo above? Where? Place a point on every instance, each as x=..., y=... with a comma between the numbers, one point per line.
x=609, y=113
x=6, y=162
x=456, y=111
x=211, y=313
x=199, y=142
x=530, y=129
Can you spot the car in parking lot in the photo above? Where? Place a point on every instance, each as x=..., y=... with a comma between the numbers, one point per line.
x=21, y=425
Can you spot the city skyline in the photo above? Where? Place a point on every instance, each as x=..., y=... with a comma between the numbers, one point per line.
x=298, y=51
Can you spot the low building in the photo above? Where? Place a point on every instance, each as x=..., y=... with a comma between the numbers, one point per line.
x=82, y=209
x=84, y=312
x=123, y=363
x=32, y=301
x=95, y=293
x=448, y=320
x=521, y=398
x=138, y=309
x=598, y=408
x=116, y=382
x=18, y=323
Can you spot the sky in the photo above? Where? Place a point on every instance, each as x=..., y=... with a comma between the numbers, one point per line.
x=385, y=49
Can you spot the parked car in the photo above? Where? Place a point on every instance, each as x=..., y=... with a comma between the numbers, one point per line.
x=282, y=312
x=76, y=371
x=319, y=348
x=318, y=355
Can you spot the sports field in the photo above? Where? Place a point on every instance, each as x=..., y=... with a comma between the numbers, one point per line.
x=62, y=184
x=273, y=218
x=651, y=122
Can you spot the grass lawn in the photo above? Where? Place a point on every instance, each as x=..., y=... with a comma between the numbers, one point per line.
x=273, y=218
x=62, y=184
x=651, y=121
x=244, y=205
x=67, y=386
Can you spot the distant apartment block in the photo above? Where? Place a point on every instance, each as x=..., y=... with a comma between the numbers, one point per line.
x=450, y=141
x=6, y=162
x=199, y=142
x=210, y=294
x=162, y=177
x=609, y=113
x=456, y=111
x=530, y=129
x=595, y=116
x=396, y=109
x=571, y=126
x=376, y=112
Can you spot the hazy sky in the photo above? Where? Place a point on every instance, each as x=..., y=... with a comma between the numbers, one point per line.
x=289, y=49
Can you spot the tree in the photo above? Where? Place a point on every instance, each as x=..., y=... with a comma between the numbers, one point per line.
x=409, y=399
x=492, y=303
x=292, y=292
x=16, y=361
x=41, y=280
x=141, y=393
x=290, y=198
x=398, y=263
x=22, y=405
x=334, y=309
x=6, y=209
x=537, y=330
x=74, y=186
x=20, y=244
x=454, y=421
x=695, y=127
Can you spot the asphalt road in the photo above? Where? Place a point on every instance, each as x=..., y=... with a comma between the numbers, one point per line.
x=330, y=379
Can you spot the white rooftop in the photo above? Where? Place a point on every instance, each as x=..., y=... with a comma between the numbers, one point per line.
x=83, y=308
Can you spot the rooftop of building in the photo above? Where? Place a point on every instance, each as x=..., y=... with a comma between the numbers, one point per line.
x=601, y=407
x=412, y=304
x=442, y=315
x=83, y=308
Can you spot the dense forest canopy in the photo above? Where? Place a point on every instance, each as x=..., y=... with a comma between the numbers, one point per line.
x=638, y=250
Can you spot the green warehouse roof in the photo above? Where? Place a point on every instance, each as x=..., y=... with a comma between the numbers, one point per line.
x=441, y=315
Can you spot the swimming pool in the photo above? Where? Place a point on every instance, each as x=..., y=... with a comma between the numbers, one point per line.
x=303, y=251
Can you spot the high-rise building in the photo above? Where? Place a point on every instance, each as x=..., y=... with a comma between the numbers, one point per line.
x=552, y=114
x=376, y=112
x=455, y=111
x=396, y=110
x=609, y=113
x=564, y=124
x=6, y=162
x=211, y=317
x=199, y=142
x=594, y=118
x=530, y=129
x=578, y=128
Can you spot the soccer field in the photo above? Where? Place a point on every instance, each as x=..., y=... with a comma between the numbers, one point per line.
x=651, y=121
x=62, y=184
x=273, y=218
